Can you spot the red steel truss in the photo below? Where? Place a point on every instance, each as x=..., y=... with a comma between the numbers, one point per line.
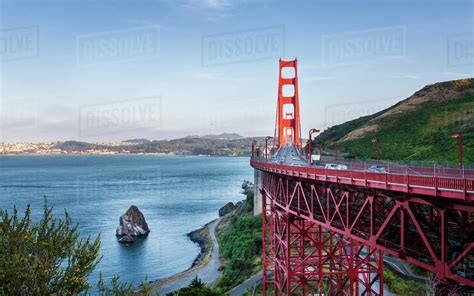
x=434, y=234
x=301, y=257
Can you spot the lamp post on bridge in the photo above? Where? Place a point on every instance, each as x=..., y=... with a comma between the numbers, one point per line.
x=310, y=140
x=320, y=147
x=458, y=136
x=257, y=149
x=253, y=147
x=335, y=149
x=377, y=144
x=266, y=146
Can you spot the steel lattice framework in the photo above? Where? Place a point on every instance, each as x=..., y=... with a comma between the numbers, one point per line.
x=302, y=257
x=431, y=233
x=326, y=231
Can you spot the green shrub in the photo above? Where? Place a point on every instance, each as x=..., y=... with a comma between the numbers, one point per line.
x=400, y=286
x=195, y=288
x=45, y=257
x=241, y=247
x=48, y=258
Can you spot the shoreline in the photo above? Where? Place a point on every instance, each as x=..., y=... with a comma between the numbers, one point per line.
x=118, y=154
x=200, y=236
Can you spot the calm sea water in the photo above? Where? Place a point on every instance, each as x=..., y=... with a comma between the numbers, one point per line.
x=176, y=195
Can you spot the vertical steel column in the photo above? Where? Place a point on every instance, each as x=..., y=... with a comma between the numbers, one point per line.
x=264, y=242
x=308, y=258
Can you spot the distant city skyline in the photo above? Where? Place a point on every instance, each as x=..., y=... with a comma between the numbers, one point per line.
x=163, y=69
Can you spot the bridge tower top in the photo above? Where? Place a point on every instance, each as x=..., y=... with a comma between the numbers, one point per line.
x=287, y=124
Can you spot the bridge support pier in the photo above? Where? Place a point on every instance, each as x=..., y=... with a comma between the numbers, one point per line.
x=257, y=201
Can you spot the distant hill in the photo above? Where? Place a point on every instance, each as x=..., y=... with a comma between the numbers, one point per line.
x=137, y=141
x=74, y=146
x=223, y=136
x=215, y=145
x=417, y=128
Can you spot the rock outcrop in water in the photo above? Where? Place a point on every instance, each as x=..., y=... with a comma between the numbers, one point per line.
x=248, y=187
x=229, y=207
x=132, y=225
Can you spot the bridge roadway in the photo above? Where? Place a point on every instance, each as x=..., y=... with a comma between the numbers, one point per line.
x=418, y=214
x=432, y=181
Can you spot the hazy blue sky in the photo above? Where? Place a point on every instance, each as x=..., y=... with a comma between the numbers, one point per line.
x=111, y=70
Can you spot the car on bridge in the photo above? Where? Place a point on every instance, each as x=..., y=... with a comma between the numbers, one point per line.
x=376, y=169
x=333, y=166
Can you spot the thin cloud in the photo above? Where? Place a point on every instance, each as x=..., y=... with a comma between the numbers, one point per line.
x=212, y=77
x=210, y=9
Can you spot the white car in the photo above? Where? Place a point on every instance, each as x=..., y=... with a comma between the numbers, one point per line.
x=333, y=166
x=341, y=167
x=376, y=169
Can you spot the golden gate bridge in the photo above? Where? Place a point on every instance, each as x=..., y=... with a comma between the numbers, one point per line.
x=327, y=225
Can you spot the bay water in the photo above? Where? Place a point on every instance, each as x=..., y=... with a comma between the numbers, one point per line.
x=176, y=195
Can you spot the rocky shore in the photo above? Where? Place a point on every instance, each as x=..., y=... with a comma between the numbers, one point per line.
x=204, y=264
x=202, y=238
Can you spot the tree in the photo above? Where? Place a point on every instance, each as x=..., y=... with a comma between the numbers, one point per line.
x=44, y=257
x=196, y=288
x=196, y=283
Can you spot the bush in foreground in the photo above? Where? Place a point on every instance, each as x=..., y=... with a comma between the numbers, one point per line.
x=195, y=288
x=47, y=257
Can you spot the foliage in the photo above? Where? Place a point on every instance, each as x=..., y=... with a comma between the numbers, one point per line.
x=423, y=133
x=402, y=287
x=195, y=288
x=46, y=257
x=115, y=287
x=241, y=247
x=197, y=283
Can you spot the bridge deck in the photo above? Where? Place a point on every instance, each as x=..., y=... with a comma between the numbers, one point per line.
x=460, y=188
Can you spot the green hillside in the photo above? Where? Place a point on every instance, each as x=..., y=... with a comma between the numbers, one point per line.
x=418, y=128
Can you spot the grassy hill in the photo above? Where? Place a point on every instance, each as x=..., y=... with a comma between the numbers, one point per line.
x=417, y=128
x=240, y=241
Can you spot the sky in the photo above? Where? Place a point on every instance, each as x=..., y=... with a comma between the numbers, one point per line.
x=163, y=69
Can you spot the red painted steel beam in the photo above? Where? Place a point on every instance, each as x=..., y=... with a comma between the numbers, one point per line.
x=434, y=234
x=308, y=259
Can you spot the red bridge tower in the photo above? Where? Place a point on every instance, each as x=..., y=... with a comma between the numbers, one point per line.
x=288, y=126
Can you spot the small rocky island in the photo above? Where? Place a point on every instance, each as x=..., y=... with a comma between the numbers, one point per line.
x=132, y=225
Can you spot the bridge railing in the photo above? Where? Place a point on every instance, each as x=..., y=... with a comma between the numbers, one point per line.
x=412, y=168
x=458, y=186
x=404, y=167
